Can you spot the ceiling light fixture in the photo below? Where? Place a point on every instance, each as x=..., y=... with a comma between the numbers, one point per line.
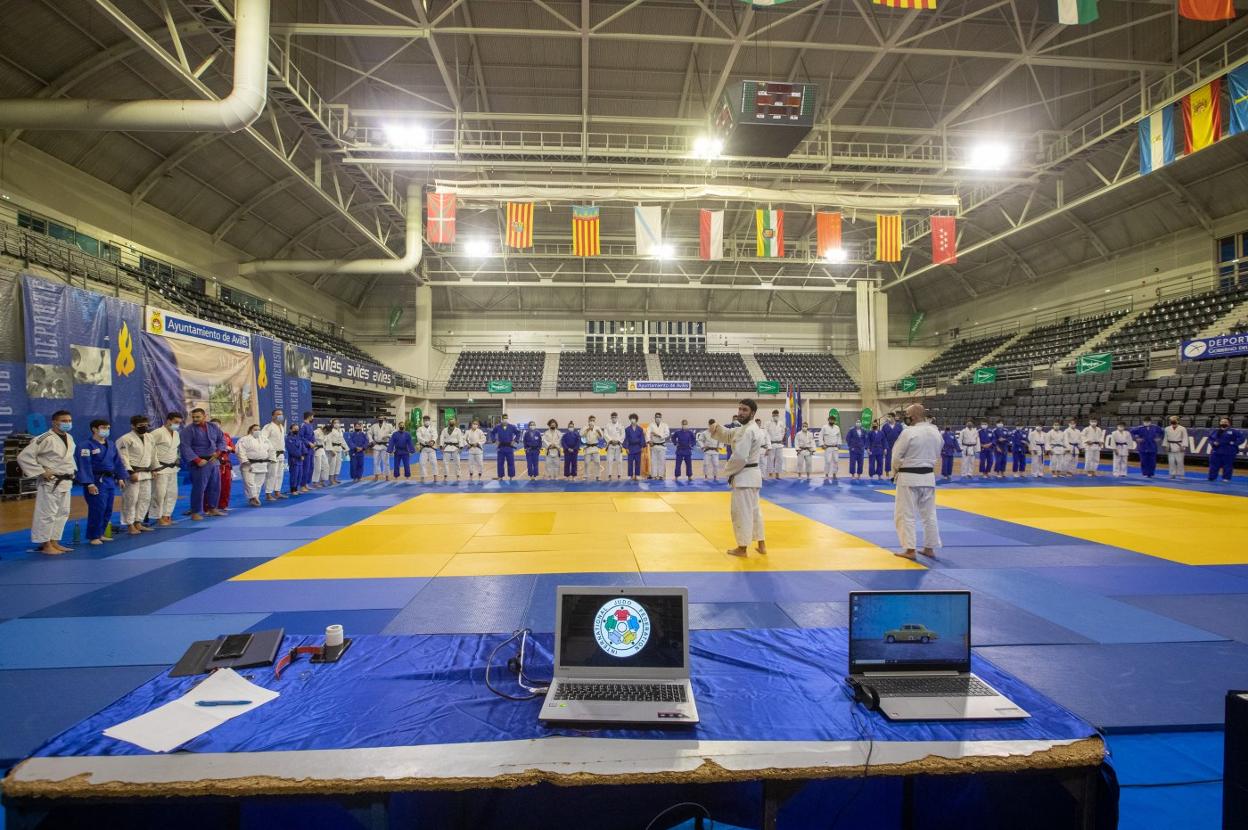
x=989, y=155
x=406, y=136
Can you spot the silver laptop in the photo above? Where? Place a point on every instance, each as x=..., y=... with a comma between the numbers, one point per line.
x=913, y=648
x=621, y=656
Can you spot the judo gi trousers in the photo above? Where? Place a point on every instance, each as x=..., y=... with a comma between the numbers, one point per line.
x=916, y=505
x=747, y=515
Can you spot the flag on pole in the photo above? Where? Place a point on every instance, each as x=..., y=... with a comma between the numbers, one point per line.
x=585, y=228
x=888, y=238
x=1237, y=82
x=790, y=413
x=827, y=232
x=711, y=232
x=769, y=232
x=1157, y=140
x=906, y=4
x=1077, y=12
x=1207, y=9
x=944, y=240
x=1202, y=116
x=519, y=224
x=440, y=227
x=648, y=220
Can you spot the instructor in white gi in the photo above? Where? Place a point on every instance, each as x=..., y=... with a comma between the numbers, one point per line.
x=51, y=458
x=776, y=435
x=914, y=459
x=744, y=477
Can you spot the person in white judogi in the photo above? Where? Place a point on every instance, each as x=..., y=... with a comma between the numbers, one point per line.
x=1037, y=439
x=336, y=452
x=776, y=435
x=969, y=439
x=320, y=470
x=137, y=456
x=475, y=439
x=1121, y=442
x=763, y=466
x=552, y=450
x=427, y=443
x=914, y=463
x=379, y=433
x=1058, y=448
x=165, y=444
x=1174, y=440
x=657, y=435
x=804, y=442
x=710, y=455
x=591, y=437
x=451, y=441
x=744, y=477
x=830, y=440
x=274, y=434
x=613, y=432
x=50, y=457
x=255, y=454
x=1074, y=443
x=1093, y=438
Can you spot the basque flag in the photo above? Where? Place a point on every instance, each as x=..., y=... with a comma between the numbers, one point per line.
x=440, y=227
x=1157, y=140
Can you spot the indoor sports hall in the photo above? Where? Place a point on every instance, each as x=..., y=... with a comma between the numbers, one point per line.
x=635, y=414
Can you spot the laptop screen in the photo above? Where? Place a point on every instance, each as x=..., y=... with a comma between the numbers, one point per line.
x=909, y=631
x=619, y=631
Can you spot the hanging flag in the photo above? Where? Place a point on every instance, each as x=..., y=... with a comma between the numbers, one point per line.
x=1237, y=83
x=769, y=232
x=649, y=223
x=789, y=415
x=711, y=232
x=440, y=227
x=944, y=240
x=585, y=227
x=1207, y=9
x=799, y=417
x=1157, y=140
x=906, y=4
x=827, y=232
x=888, y=238
x=1077, y=12
x=519, y=224
x=1202, y=116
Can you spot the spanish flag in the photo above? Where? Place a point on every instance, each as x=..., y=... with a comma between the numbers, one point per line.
x=1202, y=116
x=520, y=225
x=888, y=238
x=585, y=231
x=906, y=4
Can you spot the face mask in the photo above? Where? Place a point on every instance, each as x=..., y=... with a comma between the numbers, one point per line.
x=255, y=433
x=591, y=423
x=613, y=419
x=277, y=419
x=141, y=429
x=426, y=423
x=633, y=421
x=175, y=427
x=104, y=433
x=1093, y=423
x=67, y=426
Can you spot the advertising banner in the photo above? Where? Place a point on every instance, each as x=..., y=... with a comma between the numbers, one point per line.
x=282, y=378
x=349, y=368
x=1207, y=348
x=660, y=386
x=176, y=325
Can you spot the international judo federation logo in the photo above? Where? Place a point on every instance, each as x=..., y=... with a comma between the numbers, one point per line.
x=125, y=352
x=622, y=627
x=1195, y=349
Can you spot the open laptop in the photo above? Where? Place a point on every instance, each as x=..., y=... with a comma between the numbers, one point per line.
x=914, y=649
x=621, y=656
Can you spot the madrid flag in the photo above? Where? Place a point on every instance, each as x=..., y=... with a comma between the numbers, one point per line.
x=711, y=234
x=944, y=240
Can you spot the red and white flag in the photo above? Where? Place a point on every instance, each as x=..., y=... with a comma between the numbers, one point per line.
x=441, y=225
x=712, y=234
x=944, y=240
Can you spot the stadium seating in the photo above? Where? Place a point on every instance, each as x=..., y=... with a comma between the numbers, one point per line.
x=1199, y=393
x=1044, y=344
x=957, y=359
x=707, y=371
x=1168, y=322
x=971, y=400
x=1070, y=396
x=579, y=370
x=817, y=372
x=474, y=370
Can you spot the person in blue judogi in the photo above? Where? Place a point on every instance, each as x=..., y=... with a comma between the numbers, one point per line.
x=890, y=430
x=401, y=448
x=1000, y=448
x=634, y=443
x=357, y=445
x=987, y=446
x=1223, y=447
x=571, y=443
x=856, y=442
x=532, y=450
x=201, y=447
x=875, y=451
x=950, y=449
x=684, y=439
x=1147, y=438
x=1020, y=446
x=307, y=431
x=296, y=451
x=100, y=472
x=505, y=435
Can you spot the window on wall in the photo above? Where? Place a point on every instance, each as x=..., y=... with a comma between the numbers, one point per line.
x=172, y=274
x=243, y=299
x=70, y=236
x=640, y=336
x=1233, y=260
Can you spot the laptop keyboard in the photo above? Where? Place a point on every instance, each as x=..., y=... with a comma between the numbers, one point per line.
x=624, y=692
x=931, y=687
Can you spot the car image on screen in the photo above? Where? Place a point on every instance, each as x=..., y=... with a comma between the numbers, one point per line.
x=910, y=633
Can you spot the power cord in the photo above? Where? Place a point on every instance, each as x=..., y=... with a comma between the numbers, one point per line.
x=516, y=666
x=705, y=812
x=864, y=733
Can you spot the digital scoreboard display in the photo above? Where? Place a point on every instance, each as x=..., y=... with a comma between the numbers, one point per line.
x=770, y=101
x=764, y=118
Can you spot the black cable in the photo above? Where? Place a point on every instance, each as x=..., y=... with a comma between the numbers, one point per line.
x=532, y=692
x=664, y=812
x=865, y=734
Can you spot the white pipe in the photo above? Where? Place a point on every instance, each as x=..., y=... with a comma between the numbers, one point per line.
x=232, y=113
x=405, y=265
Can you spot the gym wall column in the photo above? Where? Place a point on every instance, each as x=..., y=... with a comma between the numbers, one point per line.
x=869, y=301
x=423, y=361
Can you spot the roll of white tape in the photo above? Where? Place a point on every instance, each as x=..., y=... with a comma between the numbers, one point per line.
x=333, y=635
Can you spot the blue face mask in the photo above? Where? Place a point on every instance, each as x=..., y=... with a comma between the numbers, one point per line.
x=175, y=427
x=67, y=426
x=104, y=433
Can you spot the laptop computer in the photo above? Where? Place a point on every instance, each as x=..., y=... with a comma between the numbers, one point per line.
x=914, y=649
x=621, y=656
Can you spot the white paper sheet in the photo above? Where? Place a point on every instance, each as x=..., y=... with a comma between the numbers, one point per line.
x=168, y=727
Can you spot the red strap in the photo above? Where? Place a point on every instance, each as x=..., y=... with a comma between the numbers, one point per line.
x=293, y=655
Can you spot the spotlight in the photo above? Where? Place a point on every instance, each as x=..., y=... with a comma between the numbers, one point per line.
x=477, y=248
x=835, y=255
x=989, y=155
x=707, y=147
x=406, y=136
x=666, y=252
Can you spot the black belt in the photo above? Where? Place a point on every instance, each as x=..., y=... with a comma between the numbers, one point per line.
x=474, y=446
x=658, y=443
x=257, y=460
x=613, y=443
x=279, y=452
x=102, y=475
x=916, y=470
x=501, y=445
x=68, y=477
x=747, y=466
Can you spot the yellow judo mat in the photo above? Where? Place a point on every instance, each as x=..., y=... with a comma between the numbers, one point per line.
x=462, y=534
x=1193, y=528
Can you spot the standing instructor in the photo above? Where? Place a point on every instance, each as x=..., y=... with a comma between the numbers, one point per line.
x=744, y=477
x=914, y=458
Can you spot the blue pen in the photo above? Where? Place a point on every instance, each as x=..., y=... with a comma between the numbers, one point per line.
x=223, y=703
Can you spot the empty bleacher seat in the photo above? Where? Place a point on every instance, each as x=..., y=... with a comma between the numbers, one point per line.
x=474, y=370
x=957, y=359
x=707, y=371
x=579, y=370
x=818, y=372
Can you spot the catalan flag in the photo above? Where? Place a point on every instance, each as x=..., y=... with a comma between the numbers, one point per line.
x=1202, y=116
x=585, y=231
x=888, y=238
x=769, y=232
x=906, y=4
x=520, y=225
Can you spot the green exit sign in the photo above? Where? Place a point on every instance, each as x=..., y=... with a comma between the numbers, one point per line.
x=498, y=387
x=909, y=384
x=605, y=387
x=767, y=387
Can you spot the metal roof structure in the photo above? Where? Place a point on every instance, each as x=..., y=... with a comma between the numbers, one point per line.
x=570, y=93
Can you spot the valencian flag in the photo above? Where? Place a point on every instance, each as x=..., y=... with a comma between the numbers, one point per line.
x=769, y=231
x=944, y=240
x=1207, y=9
x=1157, y=139
x=1237, y=84
x=519, y=225
x=1202, y=116
x=585, y=227
x=711, y=234
x=888, y=238
x=827, y=232
x=440, y=227
x=906, y=4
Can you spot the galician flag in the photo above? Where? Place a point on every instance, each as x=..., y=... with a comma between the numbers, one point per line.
x=769, y=231
x=648, y=220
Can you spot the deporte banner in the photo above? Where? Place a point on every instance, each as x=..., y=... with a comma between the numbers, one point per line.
x=660, y=386
x=283, y=379
x=1208, y=348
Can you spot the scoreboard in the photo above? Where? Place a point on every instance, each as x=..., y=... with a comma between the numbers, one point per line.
x=764, y=118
